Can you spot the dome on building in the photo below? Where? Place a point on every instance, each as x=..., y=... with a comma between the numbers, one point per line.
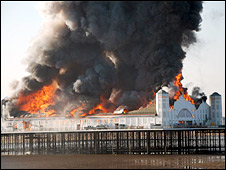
x=215, y=94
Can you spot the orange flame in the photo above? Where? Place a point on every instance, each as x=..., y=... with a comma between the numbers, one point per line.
x=177, y=82
x=153, y=96
x=99, y=108
x=73, y=111
x=152, y=103
x=39, y=101
x=77, y=109
x=125, y=111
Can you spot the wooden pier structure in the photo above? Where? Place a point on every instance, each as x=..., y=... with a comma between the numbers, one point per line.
x=116, y=141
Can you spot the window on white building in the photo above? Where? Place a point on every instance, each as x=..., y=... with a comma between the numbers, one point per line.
x=164, y=114
x=164, y=105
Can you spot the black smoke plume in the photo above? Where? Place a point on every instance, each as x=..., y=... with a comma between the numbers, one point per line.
x=116, y=51
x=198, y=96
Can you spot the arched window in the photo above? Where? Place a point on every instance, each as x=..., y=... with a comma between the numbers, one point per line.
x=185, y=113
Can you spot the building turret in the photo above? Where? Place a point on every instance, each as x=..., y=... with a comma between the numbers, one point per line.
x=216, y=109
x=162, y=106
x=4, y=108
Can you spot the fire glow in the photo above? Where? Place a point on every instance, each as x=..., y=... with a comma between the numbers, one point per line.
x=177, y=83
x=153, y=96
x=39, y=101
x=97, y=109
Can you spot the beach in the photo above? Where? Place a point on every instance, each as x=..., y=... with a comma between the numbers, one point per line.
x=113, y=161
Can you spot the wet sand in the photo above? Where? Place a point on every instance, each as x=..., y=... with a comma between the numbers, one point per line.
x=103, y=161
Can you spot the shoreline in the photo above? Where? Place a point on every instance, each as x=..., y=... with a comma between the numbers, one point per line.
x=112, y=161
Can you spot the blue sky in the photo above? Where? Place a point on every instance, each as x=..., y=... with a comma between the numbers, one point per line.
x=204, y=65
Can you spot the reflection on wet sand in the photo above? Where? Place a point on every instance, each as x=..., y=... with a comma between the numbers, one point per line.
x=114, y=161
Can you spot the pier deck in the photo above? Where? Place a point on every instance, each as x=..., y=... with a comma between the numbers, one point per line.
x=116, y=141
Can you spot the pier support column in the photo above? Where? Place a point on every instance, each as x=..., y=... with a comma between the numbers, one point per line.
x=155, y=141
x=179, y=141
x=196, y=141
x=31, y=143
x=165, y=142
x=219, y=140
x=23, y=143
x=38, y=143
x=117, y=141
x=95, y=143
x=148, y=142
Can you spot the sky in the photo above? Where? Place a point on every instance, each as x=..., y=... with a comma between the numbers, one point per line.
x=204, y=65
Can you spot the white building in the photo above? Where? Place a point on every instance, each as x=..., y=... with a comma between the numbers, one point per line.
x=216, y=109
x=185, y=112
x=182, y=114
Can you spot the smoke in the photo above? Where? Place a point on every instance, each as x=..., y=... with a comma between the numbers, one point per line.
x=198, y=96
x=116, y=52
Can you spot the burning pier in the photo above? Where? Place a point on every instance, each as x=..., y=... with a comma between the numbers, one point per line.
x=97, y=57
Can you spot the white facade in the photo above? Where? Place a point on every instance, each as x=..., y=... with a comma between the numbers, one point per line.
x=185, y=112
x=216, y=109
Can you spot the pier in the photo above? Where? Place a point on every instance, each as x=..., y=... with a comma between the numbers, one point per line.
x=116, y=141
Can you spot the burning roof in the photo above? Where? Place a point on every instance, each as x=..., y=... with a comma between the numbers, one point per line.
x=93, y=57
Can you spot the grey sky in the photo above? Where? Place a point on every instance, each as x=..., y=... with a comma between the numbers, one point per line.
x=204, y=65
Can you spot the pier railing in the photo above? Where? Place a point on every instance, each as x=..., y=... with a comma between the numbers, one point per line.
x=119, y=141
